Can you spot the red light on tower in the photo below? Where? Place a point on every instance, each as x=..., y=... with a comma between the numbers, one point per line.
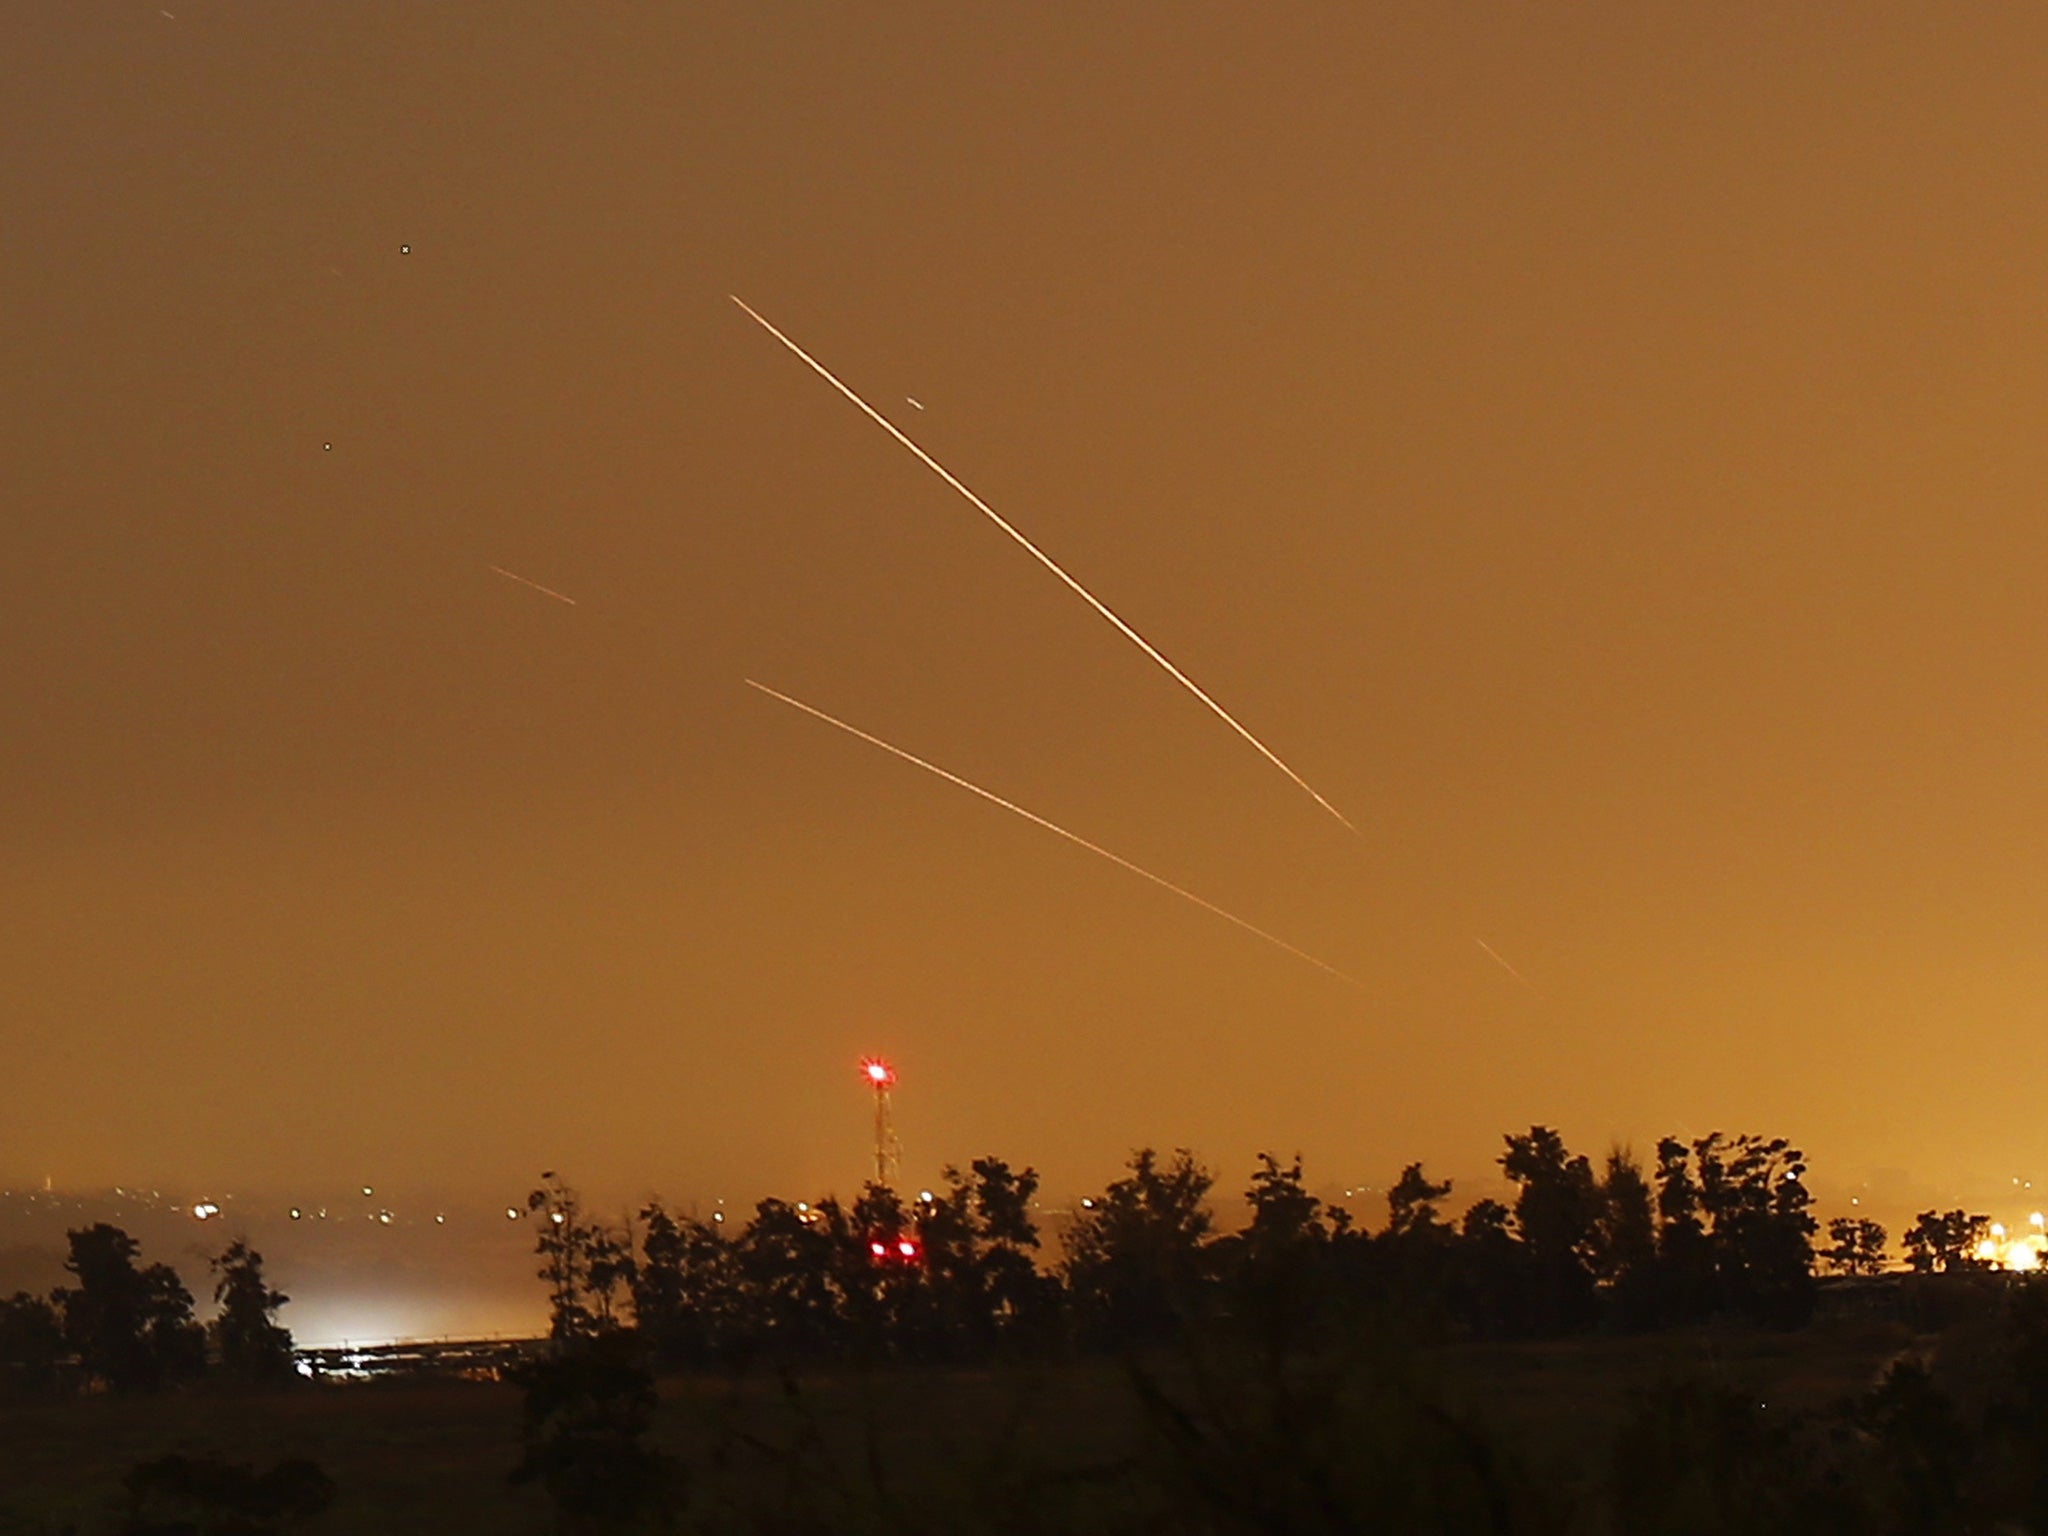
x=878, y=1072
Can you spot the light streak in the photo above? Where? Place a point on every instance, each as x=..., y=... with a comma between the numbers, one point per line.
x=550, y=591
x=1054, y=827
x=1525, y=981
x=1043, y=559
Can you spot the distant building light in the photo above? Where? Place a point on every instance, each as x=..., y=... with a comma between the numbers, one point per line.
x=295, y=1213
x=511, y=1213
x=367, y=1191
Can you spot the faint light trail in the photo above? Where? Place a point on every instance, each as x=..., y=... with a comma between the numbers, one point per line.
x=1032, y=816
x=1043, y=558
x=550, y=591
x=1525, y=981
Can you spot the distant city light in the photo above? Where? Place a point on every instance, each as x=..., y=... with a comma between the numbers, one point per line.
x=367, y=1191
x=877, y=1249
x=511, y=1213
x=2002, y=1251
x=924, y=1197
x=907, y=1248
x=295, y=1213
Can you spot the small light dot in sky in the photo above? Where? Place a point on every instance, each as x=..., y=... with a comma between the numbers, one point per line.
x=405, y=250
x=327, y=447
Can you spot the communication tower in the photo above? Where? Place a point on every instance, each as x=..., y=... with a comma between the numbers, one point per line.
x=881, y=1077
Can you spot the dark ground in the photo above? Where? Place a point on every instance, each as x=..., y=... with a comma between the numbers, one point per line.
x=1062, y=1448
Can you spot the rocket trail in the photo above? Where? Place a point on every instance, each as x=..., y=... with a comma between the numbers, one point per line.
x=1525, y=981
x=954, y=778
x=1043, y=559
x=550, y=591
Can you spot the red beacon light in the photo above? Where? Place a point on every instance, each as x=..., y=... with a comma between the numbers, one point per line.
x=907, y=1248
x=877, y=1071
x=878, y=1250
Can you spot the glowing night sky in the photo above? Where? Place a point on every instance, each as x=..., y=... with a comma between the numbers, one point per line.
x=1600, y=448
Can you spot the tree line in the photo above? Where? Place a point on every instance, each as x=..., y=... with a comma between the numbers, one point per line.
x=1715, y=1226
x=126, y=1327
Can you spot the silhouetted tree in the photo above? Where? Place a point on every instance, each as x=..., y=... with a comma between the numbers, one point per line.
x=1277, y=1269
x=1558, y=1210
x=976, y=1281
x=1626, y=1256
x=1019, y=1299
x=879, y=1274
x=587, y=1266
x=786, y=1262
x=249, y=1343
x=1856, y=1246
x=1412, y=1207
x=685, y=1288
x=1754, y=1197
x=132, y=1329
x=31, y=1342
x=1685, y=1260
x=1134, y=1260
x=1945, y=1241
x=1493, y=1284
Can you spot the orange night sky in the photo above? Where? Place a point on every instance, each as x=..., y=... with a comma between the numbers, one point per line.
x=1600, y=448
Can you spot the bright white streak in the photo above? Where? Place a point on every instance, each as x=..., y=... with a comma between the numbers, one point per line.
x=1525, y=981
x=1042, y=557
x=550, y=591
x=1032, y=816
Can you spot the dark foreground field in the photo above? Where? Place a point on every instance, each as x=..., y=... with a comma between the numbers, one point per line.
x=1540, y=1433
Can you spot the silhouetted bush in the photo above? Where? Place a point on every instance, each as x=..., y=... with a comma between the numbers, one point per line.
x=207, y=1496
x=587, y=1411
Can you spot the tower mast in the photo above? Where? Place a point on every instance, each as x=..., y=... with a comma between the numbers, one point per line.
x=881, y=1077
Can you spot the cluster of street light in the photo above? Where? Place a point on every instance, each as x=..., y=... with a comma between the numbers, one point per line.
x=2026, y=1250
